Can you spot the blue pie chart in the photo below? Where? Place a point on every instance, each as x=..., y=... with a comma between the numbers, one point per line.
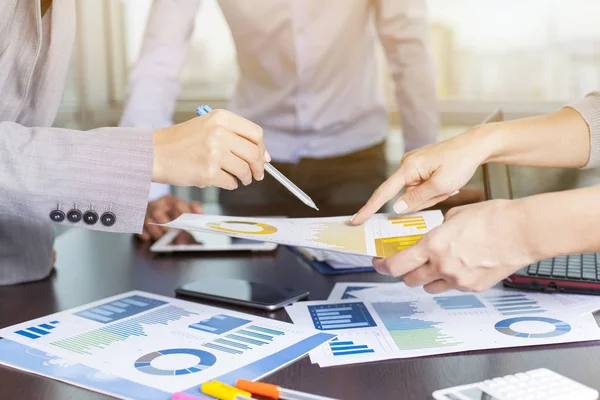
x=205, y=360
x=560, y=327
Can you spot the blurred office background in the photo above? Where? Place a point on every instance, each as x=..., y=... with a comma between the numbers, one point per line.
x=525, y=56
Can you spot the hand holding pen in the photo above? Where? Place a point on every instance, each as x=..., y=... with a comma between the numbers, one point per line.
x=210, y=151
x=289, y=185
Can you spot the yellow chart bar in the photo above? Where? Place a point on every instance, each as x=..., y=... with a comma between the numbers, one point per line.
x=409, y=221
x=386, y=247
x=416, y=223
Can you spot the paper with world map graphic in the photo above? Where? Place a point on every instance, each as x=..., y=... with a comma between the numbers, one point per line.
x=381, y=236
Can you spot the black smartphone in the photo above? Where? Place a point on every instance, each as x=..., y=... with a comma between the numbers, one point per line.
x=243, y=293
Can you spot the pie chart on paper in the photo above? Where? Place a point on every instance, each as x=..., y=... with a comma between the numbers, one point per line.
x=550, y=327
x=243, y=227
x=150, y=363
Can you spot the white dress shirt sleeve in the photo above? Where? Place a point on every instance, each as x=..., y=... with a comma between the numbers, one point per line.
x=154, y=80
x=403, y=30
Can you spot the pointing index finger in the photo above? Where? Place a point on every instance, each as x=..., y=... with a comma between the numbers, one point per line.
x=382, y=195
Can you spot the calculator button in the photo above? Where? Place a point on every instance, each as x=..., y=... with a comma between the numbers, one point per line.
x=537, y=372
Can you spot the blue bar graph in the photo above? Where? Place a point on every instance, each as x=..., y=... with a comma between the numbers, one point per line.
x=27, y=334
x=219, y=324
x=241, y=340
x=232, y=343
x=345, y=348
x=341, y=316
x=246, y=340
x=102, y=338
x=266, y=330
x=36, y=332
x=117, y=310
x=259, y=336
x=515, y=304
x=468, y=301
x=221, y=348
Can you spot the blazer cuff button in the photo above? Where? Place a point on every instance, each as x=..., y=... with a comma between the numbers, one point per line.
x=90, y=217
x=108, y=219
x=57, y=216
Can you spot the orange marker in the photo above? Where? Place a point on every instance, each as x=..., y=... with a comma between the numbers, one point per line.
x=276, y=392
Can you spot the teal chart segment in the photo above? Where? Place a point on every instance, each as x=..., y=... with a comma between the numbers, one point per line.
x=408, y=328
x=205, y=360
x=467, y=301
x=560, y=327
x=515, y=304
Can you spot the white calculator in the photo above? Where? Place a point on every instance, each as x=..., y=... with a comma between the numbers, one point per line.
x=541, y=384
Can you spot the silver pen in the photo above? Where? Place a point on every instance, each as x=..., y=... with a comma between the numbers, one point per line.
x=289, y=185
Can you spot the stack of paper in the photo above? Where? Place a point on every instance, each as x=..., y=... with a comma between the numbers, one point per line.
x=337, y=260
x=381, y=236
x=384, y=321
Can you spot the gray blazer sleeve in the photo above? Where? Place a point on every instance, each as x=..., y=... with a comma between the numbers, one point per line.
x=589, y=108
x=105, y=171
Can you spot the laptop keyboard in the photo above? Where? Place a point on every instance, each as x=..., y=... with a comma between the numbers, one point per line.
x=583, y=267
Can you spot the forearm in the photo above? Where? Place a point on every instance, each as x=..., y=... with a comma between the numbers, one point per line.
x=154, y=80
x=560, y=223
x=560, y=139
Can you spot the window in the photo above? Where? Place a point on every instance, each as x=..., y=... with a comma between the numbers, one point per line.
x=516, y=50
x=211, y=69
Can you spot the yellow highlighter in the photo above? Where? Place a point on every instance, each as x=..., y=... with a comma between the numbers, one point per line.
x=222, y=391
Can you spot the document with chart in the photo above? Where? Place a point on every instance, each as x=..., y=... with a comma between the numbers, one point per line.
x=371, y=326
x=381, y=236
x=140, y=345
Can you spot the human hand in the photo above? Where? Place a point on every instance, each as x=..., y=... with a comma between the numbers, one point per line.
x=430, y=175
x=477, y=246
x=210, y=150
x=163, y=210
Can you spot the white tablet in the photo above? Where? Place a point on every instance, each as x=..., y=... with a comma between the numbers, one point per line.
x=177, y=240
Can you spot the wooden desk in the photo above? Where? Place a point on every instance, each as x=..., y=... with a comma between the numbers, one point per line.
x=93, y=265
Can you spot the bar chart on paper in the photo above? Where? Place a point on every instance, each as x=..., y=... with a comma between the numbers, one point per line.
x=36, y=332
x=416, y=221
x=340, y=348
x=341, y=316
x=219, y=324
x=386, y=247
x=248, y=338
x=117, y=310
x=245, y=338
x=410, y=332
x=89, y=342
x=515, y=304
